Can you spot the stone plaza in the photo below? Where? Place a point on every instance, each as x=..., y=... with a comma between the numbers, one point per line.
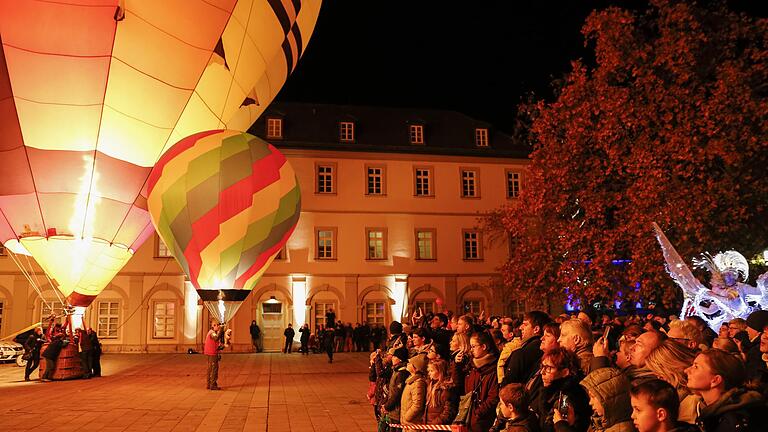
x=166, y=392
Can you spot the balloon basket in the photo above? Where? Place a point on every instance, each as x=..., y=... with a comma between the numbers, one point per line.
x=68, y=365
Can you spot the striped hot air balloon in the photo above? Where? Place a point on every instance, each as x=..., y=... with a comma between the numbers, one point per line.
x=93, y=92
x=224, y=203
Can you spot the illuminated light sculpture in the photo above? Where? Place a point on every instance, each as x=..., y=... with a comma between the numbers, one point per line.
x=225, y=203
x=93, y=92
x=728, y=297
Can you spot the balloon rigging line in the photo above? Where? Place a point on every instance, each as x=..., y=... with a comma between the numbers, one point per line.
x=50, y=282
x=140, y=304
x=31, y=282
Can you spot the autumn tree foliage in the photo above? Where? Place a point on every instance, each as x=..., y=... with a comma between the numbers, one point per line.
x=669, y=123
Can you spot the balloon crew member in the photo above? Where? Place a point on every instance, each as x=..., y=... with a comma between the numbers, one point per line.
x=32, y=347
x=95, y=353
x=211, y=350
x=328, y=343
x=85, y=349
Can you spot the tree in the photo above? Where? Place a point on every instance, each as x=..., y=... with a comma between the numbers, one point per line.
x=668, y=124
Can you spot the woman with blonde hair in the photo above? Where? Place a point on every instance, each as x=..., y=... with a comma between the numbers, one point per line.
x=460, y=358
x=442, y=400
x=668, y=362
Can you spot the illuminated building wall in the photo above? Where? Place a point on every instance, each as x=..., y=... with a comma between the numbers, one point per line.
x=369, y=271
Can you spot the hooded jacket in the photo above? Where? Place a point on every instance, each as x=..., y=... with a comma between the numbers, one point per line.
x=611, y=388
x=413, y=400
x=737, y=410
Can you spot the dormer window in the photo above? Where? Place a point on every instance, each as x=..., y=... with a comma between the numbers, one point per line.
x=346, y=131
x=481, y=137
x=275, y=128
x=417, y=134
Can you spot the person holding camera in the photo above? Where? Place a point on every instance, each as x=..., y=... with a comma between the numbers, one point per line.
x=211, y=350
x=562, y=399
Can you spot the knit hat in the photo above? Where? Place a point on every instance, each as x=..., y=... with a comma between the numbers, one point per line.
x=757, y=320
x=419, y=362
x=401, y=353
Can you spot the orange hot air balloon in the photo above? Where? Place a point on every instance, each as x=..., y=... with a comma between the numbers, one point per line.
x=93, y=92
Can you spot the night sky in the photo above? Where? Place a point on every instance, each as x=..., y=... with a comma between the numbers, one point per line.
x=480, y=59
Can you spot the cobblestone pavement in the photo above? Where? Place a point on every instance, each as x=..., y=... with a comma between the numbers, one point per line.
x=166, y=392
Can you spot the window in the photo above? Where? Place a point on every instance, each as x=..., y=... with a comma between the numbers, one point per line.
x=161, y=250
x=425, y=244
x=49, y=307
x=377, y=243
x=472, y=306
x=165, y=320
x=274, y=128
x=469, y=183
x=320, y=310
x=481, y=137
x=427, y=307
x=516, y=309
x=2, y=250
x=374, y=312
x=326, y=178
x=109, y=315
x=346, y=131
x=423, y=181
x=513, y=184
x=417, y=134
x=472, y=245
x=326, y=243
x=375, y=177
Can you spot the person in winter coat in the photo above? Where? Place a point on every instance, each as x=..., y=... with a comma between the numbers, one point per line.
x=576, y=337
x=522, y=363
x=95, y=353
x=718, y=378
x=655, y=407
x=50, y=354
x=482, y=383
x=304, y=338
x=255, y=336
x=461, y=356
x=415, y=392
x=32, y=348
x=380, y=373
x=85, y=350
x=608, y=391
x=391, y=407
x=563, y=400
x=442, y=400
x=289, y=333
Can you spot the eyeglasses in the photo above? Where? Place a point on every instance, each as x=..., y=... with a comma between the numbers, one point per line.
x=548, y=368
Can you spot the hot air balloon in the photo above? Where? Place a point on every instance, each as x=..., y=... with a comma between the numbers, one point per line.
x=225, y=203
x=92, y=93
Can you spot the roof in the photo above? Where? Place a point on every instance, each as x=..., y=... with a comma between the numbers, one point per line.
x=385, y=129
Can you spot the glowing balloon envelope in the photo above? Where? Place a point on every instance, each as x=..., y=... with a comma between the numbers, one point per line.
x=224, y=203
x=92, y=93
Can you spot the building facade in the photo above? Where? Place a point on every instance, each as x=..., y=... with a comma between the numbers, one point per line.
x=390, y=206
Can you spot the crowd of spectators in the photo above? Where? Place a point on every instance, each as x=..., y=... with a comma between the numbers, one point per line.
x=654, y=373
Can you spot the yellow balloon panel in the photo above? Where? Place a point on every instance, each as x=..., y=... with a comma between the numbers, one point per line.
x=81, y=268
x=58, y=127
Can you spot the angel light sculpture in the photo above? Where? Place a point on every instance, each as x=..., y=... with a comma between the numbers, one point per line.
x=728, y=296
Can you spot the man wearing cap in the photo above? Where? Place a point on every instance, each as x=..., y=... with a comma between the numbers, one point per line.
x=756, y=323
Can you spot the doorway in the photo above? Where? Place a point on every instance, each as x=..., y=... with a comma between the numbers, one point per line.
x=272, y=325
